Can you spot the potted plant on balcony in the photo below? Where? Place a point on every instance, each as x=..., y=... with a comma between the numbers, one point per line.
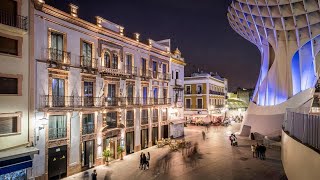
x=120, y=151
x=106, y=154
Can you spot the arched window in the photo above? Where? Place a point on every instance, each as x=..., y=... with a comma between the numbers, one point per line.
x=115, y=61
x=107, y=60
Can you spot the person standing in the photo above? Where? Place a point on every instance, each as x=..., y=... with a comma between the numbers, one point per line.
x=148, y=160
x=258, y=151
x=263, y=152
x=141, y=161
x=144, y=161
x=203, y=135
x=253, y=149
x=94, y=175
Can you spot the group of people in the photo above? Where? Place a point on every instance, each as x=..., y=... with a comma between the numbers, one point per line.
x=259, y=151
x=144, y=161
x=233, y=140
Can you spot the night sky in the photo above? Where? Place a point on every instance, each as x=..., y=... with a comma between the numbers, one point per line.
x=199, y=28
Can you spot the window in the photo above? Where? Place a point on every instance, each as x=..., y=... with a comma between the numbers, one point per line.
x=188, y=89
x=154, y=69
x=144, y=65
x=111, y=119
x=57, y=127
x=56, y=51
x=144, y=116
x=129, y=63
x=58, y=92
x=130, y=121
x=177, y=75
x=199, y=89
x=8, y=85
x=87, y=124
x=164, y=114
x=155, y=115
x=9, y=124
x=199, y=104
x=115, y=61
x=107, y=60
x=172, y=75
x=188, y=103
x=86, y=54
x=8, y=46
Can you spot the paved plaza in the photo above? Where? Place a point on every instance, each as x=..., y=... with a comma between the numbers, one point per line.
x=216, y=160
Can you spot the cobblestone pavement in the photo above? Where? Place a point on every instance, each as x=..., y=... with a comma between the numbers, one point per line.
x=216, y=160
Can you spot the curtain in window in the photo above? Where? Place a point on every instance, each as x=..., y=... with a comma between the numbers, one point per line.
x=87, y=54
x=57, y=127
x=107, y=60
x=115, y=61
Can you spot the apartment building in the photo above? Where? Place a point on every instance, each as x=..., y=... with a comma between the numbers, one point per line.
x=97, y=89
x=16, y=151
x=205, y=95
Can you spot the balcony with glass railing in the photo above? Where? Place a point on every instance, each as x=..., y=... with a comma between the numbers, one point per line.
x=57, y=133
x=13, y=20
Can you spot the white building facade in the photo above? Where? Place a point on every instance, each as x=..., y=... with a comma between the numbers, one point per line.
x=98, y=89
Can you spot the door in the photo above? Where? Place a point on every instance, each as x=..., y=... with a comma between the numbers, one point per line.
x=165, y=131
x=145, y=95
x=58, y=92
x=129, y=64
x=154, y=135
x=144, y=138
x=112, y=94
x=129, y=142
x=164, y=71
x=155, y=95
x=57, y=162
x=87, y=54
x=154, y=69
x=144, y=67
x=88, y=93
x=130, y=94
x=87, y=154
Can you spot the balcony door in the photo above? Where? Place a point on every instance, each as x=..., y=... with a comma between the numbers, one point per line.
x=115, y=61
x=129, y=63
x=107, y=60
x=8, y=9
x=111, y=120
x=112, y=94
x=130, y=94
x=155, y=95
x=154, y=69
x=88, y=93
x=145, y=95
x=164, y=70
x=58, y=92
x=144, y=66
x=87, y=54
x=57, y=127
x=56, y=51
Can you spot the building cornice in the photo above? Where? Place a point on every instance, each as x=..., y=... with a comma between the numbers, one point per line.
x=47, y=9
x=177, y=61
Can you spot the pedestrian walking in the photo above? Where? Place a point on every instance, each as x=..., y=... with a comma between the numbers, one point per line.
x=253, y=149
x=141, y=161
x=263, y=152
x=94, y=175
x=258, y=148
x=144, y=161
x=203, y=135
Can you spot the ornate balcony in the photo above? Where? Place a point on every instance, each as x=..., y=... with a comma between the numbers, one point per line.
x=48, y=101
x=112, y=124
x=57, y=58
x=88, y=64
x=155, y=118
x=13, y=20
x=112, y=101
x=112, y=71
x=57, y=133
x=129, y=123
x=129, y=101
x=216, y=93
x=145, y=74
x=164, y=76
x=131, y=71
x=144, y=120
x=87, y=129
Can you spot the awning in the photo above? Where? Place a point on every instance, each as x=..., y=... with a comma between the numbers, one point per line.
x=16, y=164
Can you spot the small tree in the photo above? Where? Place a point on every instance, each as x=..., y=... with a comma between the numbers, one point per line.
x=106, y=153
x=120, y=151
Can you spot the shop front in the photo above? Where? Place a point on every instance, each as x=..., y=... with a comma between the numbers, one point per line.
x=130, y=142
x=111, y=142
x=87, y=154
x=57, y=162
x=144, y=138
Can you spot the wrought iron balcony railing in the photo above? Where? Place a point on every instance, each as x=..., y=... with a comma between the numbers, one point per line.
x=216, y=93
x=57, y=133
x=164, y=76
x=13, y=20
x=88, y=62
x=155, y=118
x=131, y=70
x=112, y=101
x=112, y=71
x=112, y=124
x=130, y=101
x=87, y=129
x=58, y=56
x=144, y=73
x=129, y=122
x=70, y=101
x=144, y=120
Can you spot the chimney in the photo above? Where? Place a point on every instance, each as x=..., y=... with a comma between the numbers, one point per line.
x=73, y=10
x=136, y=36
x=121, y=30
